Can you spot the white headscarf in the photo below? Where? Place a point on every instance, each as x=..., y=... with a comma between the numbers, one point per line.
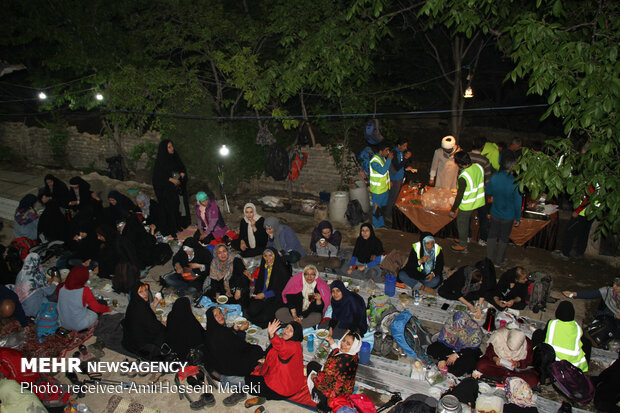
x=509, y=344
x=308, y=288
x=251, y=238
x=355, y=347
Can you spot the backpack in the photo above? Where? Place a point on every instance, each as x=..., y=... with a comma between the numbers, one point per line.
x=364, y=158
x=23, y=245
x=378, y=308
x=372, y=132
x=410, y=335
x=277, y=162
x=539, y=290
x=354, y=212
x=600, y=331
x=570, y=381
x=47, y=320
x=544, y=356
x=393, y=262
x=48, y=250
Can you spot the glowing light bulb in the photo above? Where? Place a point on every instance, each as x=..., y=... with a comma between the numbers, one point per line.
x=469, y=92
x=42, y=95
x=224, y=151
x=99, y=96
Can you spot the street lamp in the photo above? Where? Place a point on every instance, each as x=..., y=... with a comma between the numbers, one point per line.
x=99, y=97
x=42, y=95
x=224, y=152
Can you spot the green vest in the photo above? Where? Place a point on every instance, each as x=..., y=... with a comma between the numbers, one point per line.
x=491, y=151
x=473, y=197
x=565, y=338
x=379, y=183
x=418, y=250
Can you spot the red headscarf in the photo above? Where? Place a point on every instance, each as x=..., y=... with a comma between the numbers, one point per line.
x=77, y=278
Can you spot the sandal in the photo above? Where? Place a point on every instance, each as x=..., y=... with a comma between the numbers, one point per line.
x=254, y=401
x=206, y=400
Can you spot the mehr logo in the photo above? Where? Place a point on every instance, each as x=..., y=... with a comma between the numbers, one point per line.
x=73, y=365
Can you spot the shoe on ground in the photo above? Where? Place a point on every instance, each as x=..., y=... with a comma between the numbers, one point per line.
x=458, y=248
x=482, y=243
x=233, y=399
x=254, y=401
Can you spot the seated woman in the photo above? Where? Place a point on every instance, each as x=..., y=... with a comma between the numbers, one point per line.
x=566, y=337
x=306, y=297
x=424, y=269
x=55, y=189
x=348, y=312
x=83, y=248
x=32, y=287
x=609, y=309
x=284, y=240
x=183, y=331
x=150, y=212
x=511, y=290
x=227, y=276
x=26, y=219
x=282, y=374
x=191, y=267
x=108, y=255
x=324, y=244
x=470, y=285
x=458, y=346
x=509, y=354
x=272, y=278
x=53, y=225
x=77, y=307
x=252, y=236
x=143, y=333
x=337, y=377
x=367, y=254
x=211, y=225
x=83, y=203
x=228, y=354
x=120, y=206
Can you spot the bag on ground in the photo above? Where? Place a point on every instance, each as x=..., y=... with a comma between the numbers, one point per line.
x=539, y=290
x=47, y=321
x=571, y=382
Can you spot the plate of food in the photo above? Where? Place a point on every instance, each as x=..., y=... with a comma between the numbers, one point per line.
x=239, y=321
x=322, y=334
x=251, y=331
x=222, y=299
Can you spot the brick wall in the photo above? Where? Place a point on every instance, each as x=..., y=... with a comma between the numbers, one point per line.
x=319, y=174
x=83, y=149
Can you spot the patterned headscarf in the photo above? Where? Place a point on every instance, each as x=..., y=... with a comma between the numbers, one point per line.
x=30, y=278
x=461, y=332
x=146, y=201
x=519, y=392
x=429, y=265
x=222, y=270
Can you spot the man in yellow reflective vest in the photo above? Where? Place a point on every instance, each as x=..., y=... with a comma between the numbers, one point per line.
x=469, y=197
x=566, y=337
x=379, y=183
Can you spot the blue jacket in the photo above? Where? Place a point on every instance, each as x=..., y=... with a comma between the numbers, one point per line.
x=506, y=197
x=397, y=172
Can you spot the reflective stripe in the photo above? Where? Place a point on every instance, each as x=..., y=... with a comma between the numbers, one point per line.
x=473, y=196
x=558, y=349
x=379, y=183
x=416, y=247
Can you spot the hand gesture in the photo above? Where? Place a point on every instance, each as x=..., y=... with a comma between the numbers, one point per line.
x=391, y=155
x=273, y=327
x=429, y=277
x=452, y=359
x=424, y=259
x=350, y=270
x=243, y=246
x=237, y=295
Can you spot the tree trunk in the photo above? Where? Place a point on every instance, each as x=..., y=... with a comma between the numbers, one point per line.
x=457, y=88
x=305, y=115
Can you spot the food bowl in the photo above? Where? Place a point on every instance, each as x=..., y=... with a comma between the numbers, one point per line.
x=322, y=334
x=251, y=331
x=222, y=299
x=239, y=321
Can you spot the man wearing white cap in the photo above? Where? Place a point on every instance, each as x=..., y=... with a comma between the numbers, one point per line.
x=443, y=169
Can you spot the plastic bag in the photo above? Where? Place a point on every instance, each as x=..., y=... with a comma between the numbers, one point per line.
x=437, y=198
x=14, y=340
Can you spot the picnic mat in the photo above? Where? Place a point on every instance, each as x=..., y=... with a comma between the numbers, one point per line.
x=52, y=346
x=118, y=404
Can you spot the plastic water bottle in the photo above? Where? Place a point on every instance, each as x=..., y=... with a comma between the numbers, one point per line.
x=311, y=343
x=417, y=298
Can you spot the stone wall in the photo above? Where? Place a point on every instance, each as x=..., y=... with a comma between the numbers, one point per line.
x=319, y=174
x=83, y=149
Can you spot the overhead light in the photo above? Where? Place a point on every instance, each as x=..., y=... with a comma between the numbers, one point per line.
x=42, y=95
x=469, y=92
x=224, y=151
x=99, y=96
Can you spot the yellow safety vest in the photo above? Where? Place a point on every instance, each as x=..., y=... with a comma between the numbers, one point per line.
x=379, y=183
x=418, y=250
x=565, y=338
x=473, y=197
x=491, y=151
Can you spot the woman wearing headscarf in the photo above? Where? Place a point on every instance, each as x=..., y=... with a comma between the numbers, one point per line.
x=325, y=245
x=228, y=276
x=284, y=240
x=85, y=206
x=367, y=255
x=337, y=377
x=211, y=225
x=519, y=396
x=149, y=212
x=170, y=185
x=458, y=346
x=252, y=236
x=272, y=278
x=120, y=206
x=509, y=354
x=108, y=255
x=53, y=224
x=31, y=286
x=282, y=374
x=566, y=337
x=26, y=218
x=306, y=297
x=183, y=331
x=609, y=309
x=55, y=189
x=348, y=311
x=191, y=267
x=424, y=269
x=77, y=307
x=470, y=285
x=511, y=290
x=143, y=333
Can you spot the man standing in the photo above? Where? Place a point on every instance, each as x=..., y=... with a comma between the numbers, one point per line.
x=483, y=213
x=470, y=197
x=380, y=183
x=443, y=169
x=397, y=173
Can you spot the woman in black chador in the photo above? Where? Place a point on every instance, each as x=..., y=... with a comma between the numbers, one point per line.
x=170, y=185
